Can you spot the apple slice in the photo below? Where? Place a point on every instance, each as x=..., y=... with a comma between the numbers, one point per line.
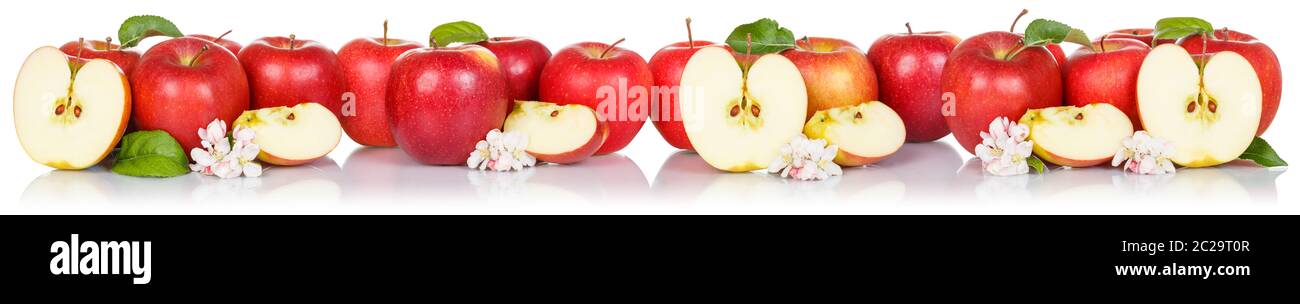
x=1077, y=136
x=1210, y=114
x=737, y=121
x=293, y=136
x=558, y=134
x=865, y=133
x=69, y=112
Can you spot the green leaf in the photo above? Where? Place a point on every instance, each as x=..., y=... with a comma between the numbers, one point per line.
x=458, y=32
x=1262, y=153
x=1043, y=32
x=1036, y=164
x=138, y=28
x=765, y=37
x=1179, y=27
x=151, y=154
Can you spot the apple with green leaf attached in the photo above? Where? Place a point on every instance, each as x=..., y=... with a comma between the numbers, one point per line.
x=522, y=59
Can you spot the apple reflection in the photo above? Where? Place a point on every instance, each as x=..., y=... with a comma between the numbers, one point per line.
x=314, y=183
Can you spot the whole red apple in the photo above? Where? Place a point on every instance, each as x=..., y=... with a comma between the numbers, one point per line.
x=1260, y=56
x=234, y=47
x=988, y=79
x=442, y=101
x=286, y=71
x=666, y=65
x=183, y=84
x=522, y=60
x=1106, y=73
x=366, y=63
x=613, y=80
x=836, y=72
x=105, y=49
x=909, y=67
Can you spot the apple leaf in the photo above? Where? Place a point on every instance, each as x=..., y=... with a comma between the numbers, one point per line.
x=138, y=28
x=1036, y=164
x=458, y=32
x=151, y=154
x=1043, y=32
x=764, y=36
x=1262, y=153
x=1179, y=27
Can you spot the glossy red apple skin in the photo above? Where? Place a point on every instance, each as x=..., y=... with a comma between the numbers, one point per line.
x=909, y=67
x=127, y=60
x=366, y=63
x=1260, y=56
x=233, y=46
x=522, y=60
x=170, y=95
x=986, y=86
x=577, y=72
x=442, y=101
x=1108, y=76
x=836, y=73
x=666, y=65
x=1145, y=35
x=281, y=75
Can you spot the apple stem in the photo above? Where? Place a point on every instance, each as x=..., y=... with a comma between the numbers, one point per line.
x=81, y=43
x=690, y=38
x=1226, y=34
x=749, y=46
x=292, y=39
x=1103, y=42
x=611, y=47
x=196, y=56
x=1205, y=42
x=223, y=35
x=108, y=43
x=1022, y=48
x=1023, y=12
x=909, y=27
x=385, y=41
x=433, y=42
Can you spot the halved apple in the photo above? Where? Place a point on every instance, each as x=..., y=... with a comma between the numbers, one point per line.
x=69, y=112
x=738, y=121
x=291, y=136
x=1077, y=136
x=865, y=133
x=1208, y=107
x=558, y=134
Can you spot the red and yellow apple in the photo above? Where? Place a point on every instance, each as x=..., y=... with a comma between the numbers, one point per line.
x=865, y=133
x=835, y=72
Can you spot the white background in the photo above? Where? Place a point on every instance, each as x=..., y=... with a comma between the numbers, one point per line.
x=647, y=177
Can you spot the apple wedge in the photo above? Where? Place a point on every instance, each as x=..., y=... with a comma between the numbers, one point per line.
x=290, y=136
x=558, y=134
x=1077, y=136
x=69, y=112
x=1209, y=111
x=738, y=121
x=865, y=133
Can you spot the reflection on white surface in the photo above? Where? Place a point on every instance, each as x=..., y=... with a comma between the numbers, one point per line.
x=924, y=175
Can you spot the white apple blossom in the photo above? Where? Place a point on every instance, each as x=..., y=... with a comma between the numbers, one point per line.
x=224, y=156
x=1004, y=150
x=804, y=159
x=501, y=152
x=1145, y=154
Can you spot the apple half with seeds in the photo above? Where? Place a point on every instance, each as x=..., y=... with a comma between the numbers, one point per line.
x=560, y=134
x=1077, y=136
x=290, y=136
x=865, y=133
x=69, y=112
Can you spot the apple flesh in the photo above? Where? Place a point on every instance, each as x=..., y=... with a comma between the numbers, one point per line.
x=1106, y=75
x=865, y=133
x=1077, y=136
x=290, y=136
x=737, y=121
x=557, y=134
x=69, y=113
x=667, y=65
x=1260, y=56
x=835, y=71
x=1209, y=113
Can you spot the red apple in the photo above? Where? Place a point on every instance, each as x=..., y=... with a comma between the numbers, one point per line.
x=835, y=71
x=105, y=49
x=286, y=71
x=1146, y=35
x=987, y=82
x=666, y=65
x=442, y=101
x=909, y=67
x=522, y=60
x=183, y=84
x=234, y=47
x=1260, y=56
x=614, y=81
x=1106, y=73
x=366, y=63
